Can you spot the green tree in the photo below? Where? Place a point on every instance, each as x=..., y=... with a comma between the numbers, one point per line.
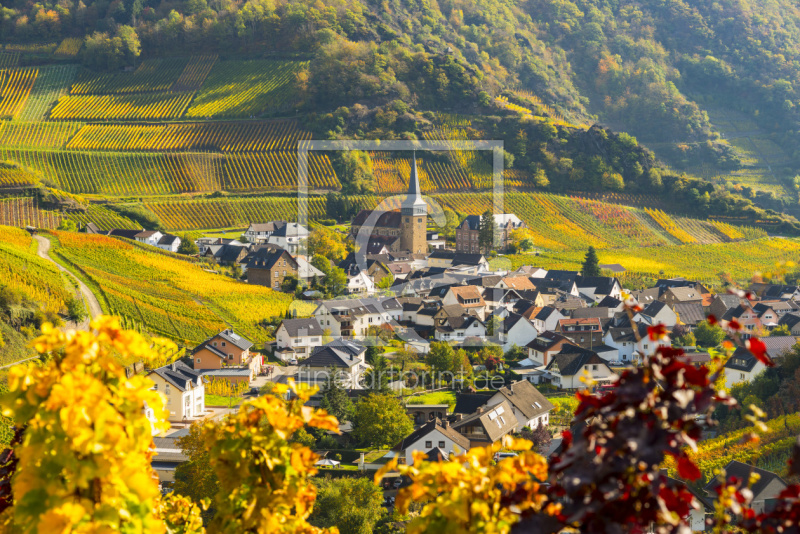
x=334, y=398
x=486, y=231
x=335, y=282
x=440, y=357
x=708, y=335
x=591, y=265
x=386, y=282
x=353, y=505
x=381, y=421
x=290, y=283
x=494, y=326
x=303, y=437
x=67, y=225
x=328, y=243
x=781, y=330
x=75, y=310
x=188, y=247
x=377, y=378
x=356, y=175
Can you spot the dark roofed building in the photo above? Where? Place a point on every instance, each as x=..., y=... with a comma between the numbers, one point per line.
x=488, y=424
x=468, y=403
x=766, y=489
x=435, y=433
x=270, y=268
x=572, y=362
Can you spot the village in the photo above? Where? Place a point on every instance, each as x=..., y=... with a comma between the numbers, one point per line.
x=452, y=353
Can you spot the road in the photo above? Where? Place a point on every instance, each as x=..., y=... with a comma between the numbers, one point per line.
x=88, y=297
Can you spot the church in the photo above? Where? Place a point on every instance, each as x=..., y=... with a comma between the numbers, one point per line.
x=399, y=231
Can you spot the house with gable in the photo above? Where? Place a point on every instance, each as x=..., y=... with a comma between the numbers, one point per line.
x=295, y=338
x=765, y=490
x=657, y=312
x=583, y=332
x=288, y=236
x=487, y=425
x=469, y=297
x=573, y=362
x=347, y=358
x=270, y=268
x=596, y=288
x=546, y=319
x=674, y=295
x=792, y=322
x=169, y=242
x=542, y=349
x=742, y=367
x=515, y=330
x=260, y=232
x=435, y=433
x=459, y=328
x=530, y=407
x=226, y=349
x=184, y=389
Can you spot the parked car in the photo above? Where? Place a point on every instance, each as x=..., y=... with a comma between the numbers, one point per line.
x=254, y=391
x=503, y=455
x=293, y=361
x=397, y=483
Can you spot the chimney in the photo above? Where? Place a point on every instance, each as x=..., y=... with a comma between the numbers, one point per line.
x=480, y=410
x=446, y=423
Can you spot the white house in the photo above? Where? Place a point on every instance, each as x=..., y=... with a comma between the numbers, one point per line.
x=260, y=232
x=169, y=242
x=434, y=434
x=573, y=362
x=531, y=408
x=599, y=287
x=359, y=283
x=184, y=389
x=657, y=312
x=459, y=328
x=288, y=236
x=516, y=330
x=546, y=319
x=300, y=335
x=149, y=237
x=354, y=317
x=622, y=339
x=742, y=367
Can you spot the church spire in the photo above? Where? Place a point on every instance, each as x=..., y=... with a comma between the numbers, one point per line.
x=414, y=204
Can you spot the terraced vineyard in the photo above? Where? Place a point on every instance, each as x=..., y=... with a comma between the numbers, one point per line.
x=13, y=176
x=22, y=270
x=122, y=107
x=183, y=302
x=15, y=87
x=152, y=76
x=69, y=47
x=37, y=134
x=52, y=83
x=256, y=136
x=239, y=89
x=24, y=211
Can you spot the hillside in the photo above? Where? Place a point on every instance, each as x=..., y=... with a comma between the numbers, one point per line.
x=535, y=74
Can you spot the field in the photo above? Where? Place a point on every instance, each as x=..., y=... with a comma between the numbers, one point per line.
x=152, y=75
x=52, y=83
x=23, y=270
x=15, y=87
x=770, y=453
x=145, y=106
x=696, y=262
x=241, y=89
x=165, y=294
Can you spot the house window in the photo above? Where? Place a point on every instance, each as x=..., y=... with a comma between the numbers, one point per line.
x=594, y=367
x=230, y=356
x=428, y=444
x=741, y=376
x=223, y=343
x=441, y=444
x=198, y=360
x=645, y=347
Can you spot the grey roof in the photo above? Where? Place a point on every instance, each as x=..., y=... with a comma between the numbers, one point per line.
x=267, y=226
x=128, y=234
x=486, y=281
x=328, y=356
x=790, y=320
x=742, y=472
x=211, y=348
x=168, y=239
x=179, y=375
x=546, y=340
x=646, y=296
x=343, y=345
x=167, y=450
x=497, y=421
x=614, y=267
x=588, y=313
x=572, y=358
x=467, y=403
x=427, y=428
x=436, y=455
x=302, y=327
x=545, y=313
x=779, y=345
x=603, y=284
x=686, y=294
x=232, y=337
x=266, y=259
x=609, y=302
x=730, y=301
x=690, y=312
x=461, y=322
x=291, y=229
x=526, y=398
x=654, y=308
x=742, y=360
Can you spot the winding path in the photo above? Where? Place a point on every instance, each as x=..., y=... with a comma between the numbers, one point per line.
x=88, y=297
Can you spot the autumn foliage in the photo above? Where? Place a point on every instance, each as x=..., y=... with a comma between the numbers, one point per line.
x=80, y=461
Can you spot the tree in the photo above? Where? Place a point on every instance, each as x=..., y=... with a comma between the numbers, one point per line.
x=539, y=436
x=304, y=438
x=591, y=265
x=335, y=282
x=486, y=231
x=781, y=330
x=386, y=282
x=356, y=167
x=321, y=262
x=290, y=283
x=440, y=357
x=494, y=326
x=67, y=225
x=708, y=335
x=377, y=378
x=381, y=421
x=353, y=505
x=188, y=247
x=328, y=243
x=334, y=398
x=195, y=478
x=75, y=310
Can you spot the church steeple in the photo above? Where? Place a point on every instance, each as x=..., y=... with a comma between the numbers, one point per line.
x=414, y=216
x=414, y=204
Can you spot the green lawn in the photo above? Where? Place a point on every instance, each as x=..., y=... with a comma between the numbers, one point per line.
x=219, y=400
x=435, y=397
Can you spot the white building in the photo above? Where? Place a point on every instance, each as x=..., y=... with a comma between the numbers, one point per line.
x=531, y=408
x=169, y=242
x=184, y=389
x=345, y=357
x=288, y=237
x=434, y=434
x=516, y=330
x=352, y=318
x=300, y=335
x=573, y=362
x=742, y=367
